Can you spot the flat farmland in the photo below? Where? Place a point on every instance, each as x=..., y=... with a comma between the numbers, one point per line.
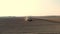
x=17, y=25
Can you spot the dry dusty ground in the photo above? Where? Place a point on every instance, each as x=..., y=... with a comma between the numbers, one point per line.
x=19, y=26
x=51, y=18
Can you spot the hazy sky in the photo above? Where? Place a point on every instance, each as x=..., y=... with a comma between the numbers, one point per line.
x=29, y=7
